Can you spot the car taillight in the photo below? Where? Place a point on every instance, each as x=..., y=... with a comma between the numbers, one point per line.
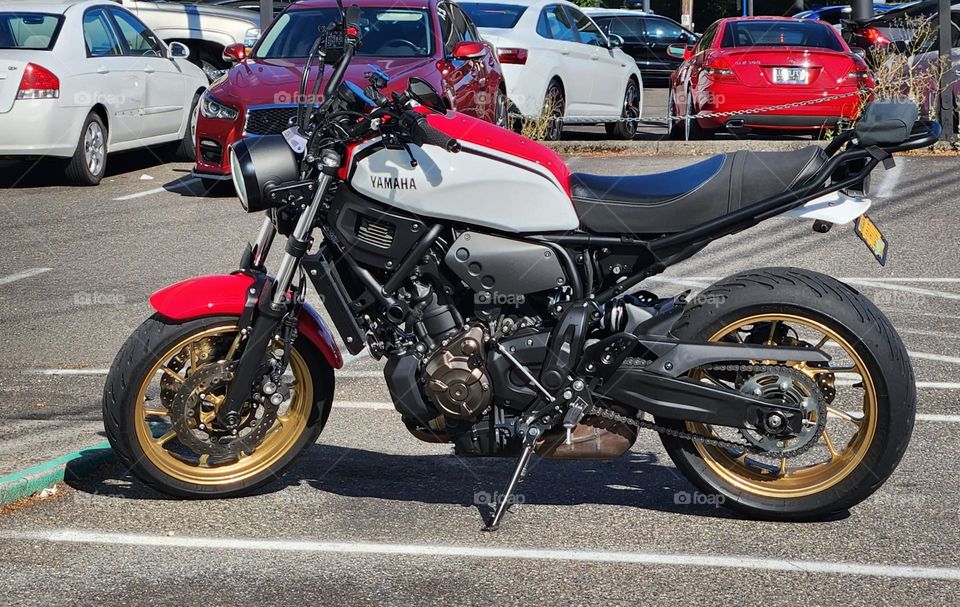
x=862, y=77
x=719, y=68
x=875, y=37
x=517, y=56
x=38, y=83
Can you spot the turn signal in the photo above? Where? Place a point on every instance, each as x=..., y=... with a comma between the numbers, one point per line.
x=517, y=56
x=38, y=83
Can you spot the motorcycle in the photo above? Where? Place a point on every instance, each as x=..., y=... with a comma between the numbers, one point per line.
x=503, y=292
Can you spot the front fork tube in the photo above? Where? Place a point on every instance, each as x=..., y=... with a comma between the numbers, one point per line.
x=272, y=309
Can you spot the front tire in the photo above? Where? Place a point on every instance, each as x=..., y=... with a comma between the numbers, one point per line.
x=867, y=428
x=626, y=129
x=140, y=410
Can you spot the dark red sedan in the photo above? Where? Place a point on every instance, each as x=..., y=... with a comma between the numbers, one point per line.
x=744, y=64
x=433, y=40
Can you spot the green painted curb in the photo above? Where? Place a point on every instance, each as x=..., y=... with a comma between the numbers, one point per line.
x=33, y=480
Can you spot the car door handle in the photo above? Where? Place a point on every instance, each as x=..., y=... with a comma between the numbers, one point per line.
x=565, y=52
x=149, y=70
x=102, y=70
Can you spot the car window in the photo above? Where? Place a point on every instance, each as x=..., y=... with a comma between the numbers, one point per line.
x=661, y=30
x=99, y=35
x=29, y=31
x=589, y=32
x=141, y=42
x=780, y=33
x=448, y=32
x=628, y=28
x=464, y=26
x=707, y=39
x=558, y=25
x=499, y=16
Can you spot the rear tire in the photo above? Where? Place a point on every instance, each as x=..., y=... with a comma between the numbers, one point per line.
x=554, y=105
x=89, y=162
x=128, y=379
x=852, y=317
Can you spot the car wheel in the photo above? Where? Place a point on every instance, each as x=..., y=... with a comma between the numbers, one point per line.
x=553, y=110
x=501, y=116
x=187, y=148
x=627, y=128
x=691, y=128
x=674, y=126
x=89, y=162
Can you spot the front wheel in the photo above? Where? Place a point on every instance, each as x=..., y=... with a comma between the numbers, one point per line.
x=859, y=407
x=160, y=410
x=627, y=128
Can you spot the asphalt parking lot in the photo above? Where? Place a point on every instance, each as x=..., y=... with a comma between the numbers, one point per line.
x=372, y=516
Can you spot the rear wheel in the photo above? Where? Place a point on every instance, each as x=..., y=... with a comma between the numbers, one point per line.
x=161, y=399
x=865, y=397
x=500, y=114
x=691, y=128
x=553, y=110
x=627, y=128
x=89, y=162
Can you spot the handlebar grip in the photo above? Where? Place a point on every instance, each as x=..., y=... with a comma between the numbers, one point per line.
x=424, y=134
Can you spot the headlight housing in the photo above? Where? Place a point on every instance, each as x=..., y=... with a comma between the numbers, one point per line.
x=251, y=36
x=257, y=166
x=214, y=109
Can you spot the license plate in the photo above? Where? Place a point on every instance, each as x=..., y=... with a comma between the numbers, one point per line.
x=870, y=234
x=790, y=75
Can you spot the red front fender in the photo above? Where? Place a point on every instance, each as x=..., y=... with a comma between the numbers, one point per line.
x=226, y=295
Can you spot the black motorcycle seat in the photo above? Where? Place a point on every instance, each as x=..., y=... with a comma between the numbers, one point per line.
x=665, y=203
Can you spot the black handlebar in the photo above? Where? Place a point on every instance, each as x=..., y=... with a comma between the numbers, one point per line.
x=423, y=134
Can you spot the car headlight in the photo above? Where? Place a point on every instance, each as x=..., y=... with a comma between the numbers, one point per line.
x=212, y=108
x=251, y=36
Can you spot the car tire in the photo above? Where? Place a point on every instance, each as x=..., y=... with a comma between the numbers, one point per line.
x=501, y=109
x=89, y=161
x=554, y=105
x=691, y=129
x=674, y=127
x=187, y=147
x=627, y=129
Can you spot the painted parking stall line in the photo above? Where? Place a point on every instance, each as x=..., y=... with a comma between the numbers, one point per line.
x=5, y=280
x=432, y=551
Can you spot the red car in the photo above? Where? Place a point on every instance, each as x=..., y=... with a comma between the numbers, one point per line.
x=742, y=64
x=433, y=40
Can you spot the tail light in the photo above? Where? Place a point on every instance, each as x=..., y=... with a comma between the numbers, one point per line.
x=38, y=83
x=719, y=68
x=861, y=74
x=516, y=56
x=875, y=37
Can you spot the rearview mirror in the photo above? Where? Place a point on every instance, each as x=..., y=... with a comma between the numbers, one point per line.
x=859, y=52
x=467, y=49
x=426, y=95
x=178, y=50
x=679, y=51
x=615, y=40
x=235, y=53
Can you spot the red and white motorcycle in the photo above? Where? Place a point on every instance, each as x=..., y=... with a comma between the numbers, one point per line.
x=503, y=292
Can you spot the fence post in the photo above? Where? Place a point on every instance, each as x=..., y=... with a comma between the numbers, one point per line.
x=861, y=10
x=646, y=6
x=266, y=14
x=949, y=75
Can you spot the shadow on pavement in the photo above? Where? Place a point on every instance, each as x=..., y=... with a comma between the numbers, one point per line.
x=48, y=172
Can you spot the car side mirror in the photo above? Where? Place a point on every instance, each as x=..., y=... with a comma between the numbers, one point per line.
x=426, y=95
x=468, y=49
x=860, y=52
x=616, y=41
x=680, y=51
x=235, y=53
x=178, y=50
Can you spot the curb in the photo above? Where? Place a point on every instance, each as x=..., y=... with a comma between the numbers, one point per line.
x=33, y=480
x=708, y=148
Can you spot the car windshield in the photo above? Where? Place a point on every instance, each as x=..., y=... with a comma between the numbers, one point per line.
x=780, y=33
x=498, y=16
x=29, y=31
x=387, y=32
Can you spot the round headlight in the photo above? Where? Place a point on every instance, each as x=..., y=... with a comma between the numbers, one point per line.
x=259, y=163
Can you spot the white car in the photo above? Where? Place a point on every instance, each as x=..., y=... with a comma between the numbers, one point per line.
x=556, y=61
x=81, y=79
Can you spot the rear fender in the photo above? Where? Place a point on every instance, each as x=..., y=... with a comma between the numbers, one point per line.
x=836, y=207
x=226, y=295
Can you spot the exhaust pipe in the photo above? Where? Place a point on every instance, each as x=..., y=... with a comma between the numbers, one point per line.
x=736, y=123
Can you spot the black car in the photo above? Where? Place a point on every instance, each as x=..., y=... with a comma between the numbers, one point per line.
x=645, y=38
x=894, y=30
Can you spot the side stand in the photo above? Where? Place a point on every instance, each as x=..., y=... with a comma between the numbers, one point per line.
x=518, y=475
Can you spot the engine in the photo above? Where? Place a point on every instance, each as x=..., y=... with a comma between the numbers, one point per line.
x=455, y=377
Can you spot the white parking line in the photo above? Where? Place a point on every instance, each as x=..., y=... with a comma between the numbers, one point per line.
x=953, y=360
x=140, y=194
x=21, y=275
x=487, y=552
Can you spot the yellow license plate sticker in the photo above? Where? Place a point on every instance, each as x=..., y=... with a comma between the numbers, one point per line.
x=870, y=234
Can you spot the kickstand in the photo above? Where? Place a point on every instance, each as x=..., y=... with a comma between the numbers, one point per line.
x=518, y=475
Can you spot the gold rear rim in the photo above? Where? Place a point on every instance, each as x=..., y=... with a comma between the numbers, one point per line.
x=846, y=439
x=154, y=425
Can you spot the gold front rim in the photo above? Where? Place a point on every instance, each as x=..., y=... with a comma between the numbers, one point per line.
x=845, y=441
x=154, y=425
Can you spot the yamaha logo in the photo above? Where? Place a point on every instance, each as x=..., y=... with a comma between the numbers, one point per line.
x=393, y=183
